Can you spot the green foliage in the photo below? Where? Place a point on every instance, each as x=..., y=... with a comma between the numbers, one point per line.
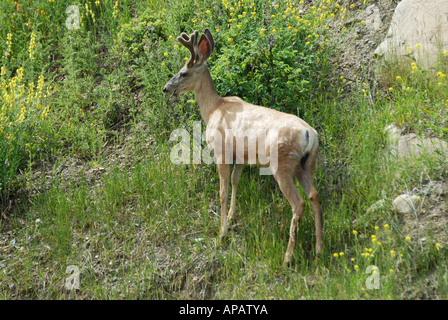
x=41, y=55
x=419, y=96
x=268, y=54
x=147, y=29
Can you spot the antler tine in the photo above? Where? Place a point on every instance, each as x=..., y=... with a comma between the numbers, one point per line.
x=190, y=42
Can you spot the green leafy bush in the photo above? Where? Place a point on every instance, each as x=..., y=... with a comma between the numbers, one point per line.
x=269, y=53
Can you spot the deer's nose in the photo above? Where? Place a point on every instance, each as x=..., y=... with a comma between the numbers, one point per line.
x=165, y=90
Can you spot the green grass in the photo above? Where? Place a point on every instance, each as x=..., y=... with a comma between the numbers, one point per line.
x=93, y=186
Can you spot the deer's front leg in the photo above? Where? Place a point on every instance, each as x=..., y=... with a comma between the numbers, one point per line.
x=223, y=170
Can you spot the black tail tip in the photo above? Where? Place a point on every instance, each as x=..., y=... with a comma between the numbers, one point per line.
x=304, y=159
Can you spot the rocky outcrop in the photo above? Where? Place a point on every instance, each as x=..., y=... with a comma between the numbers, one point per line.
x=419, y=31
x=410, y=146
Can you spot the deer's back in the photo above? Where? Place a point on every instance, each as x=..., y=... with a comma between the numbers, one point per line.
x=289, y=131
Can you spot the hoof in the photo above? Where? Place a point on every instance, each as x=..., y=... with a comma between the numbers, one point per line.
x=288, y=262
x=221, y=239
x=318, y=250
x=231, y=219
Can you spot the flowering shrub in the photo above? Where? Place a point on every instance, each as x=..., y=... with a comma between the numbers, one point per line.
x=269, y=53
x=24, y=109
x=33, y=52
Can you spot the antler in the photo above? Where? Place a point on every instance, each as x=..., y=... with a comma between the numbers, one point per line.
x=190, y=42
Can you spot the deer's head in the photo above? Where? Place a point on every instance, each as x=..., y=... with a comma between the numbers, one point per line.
x=189, y=77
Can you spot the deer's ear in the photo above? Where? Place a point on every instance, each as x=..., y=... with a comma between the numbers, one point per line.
x=204, y=48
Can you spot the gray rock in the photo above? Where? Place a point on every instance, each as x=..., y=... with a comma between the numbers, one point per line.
x=422, y=22
x=406, y=204
x=410, y=146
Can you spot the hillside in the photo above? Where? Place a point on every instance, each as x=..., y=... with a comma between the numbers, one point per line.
x=87, y=181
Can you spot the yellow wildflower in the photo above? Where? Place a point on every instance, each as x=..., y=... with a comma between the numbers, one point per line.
x=33, y=45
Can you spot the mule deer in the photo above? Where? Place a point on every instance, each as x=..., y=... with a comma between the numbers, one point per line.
x=296, y=142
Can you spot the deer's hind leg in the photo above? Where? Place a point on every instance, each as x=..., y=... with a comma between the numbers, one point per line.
x=305, y=178
x=289, y=189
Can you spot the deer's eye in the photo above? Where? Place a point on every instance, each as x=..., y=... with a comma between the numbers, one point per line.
x=183, y=74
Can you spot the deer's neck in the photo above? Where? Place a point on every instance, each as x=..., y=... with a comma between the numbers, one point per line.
x=206, y=95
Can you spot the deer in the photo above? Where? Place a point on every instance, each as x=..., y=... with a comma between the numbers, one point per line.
x=296, y=141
